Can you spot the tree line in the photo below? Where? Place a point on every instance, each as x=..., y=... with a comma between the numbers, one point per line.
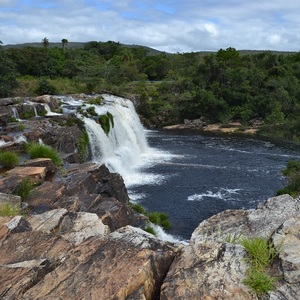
x=217, y=87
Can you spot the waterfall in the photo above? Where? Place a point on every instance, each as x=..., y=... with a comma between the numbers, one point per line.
x=48, y=110
x=123, y=149
x=15, y=113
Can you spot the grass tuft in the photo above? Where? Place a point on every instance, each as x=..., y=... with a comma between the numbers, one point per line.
x=10, y=210
x=36, y=150
x=24, y=188
x=9, y=159
x=261, y=256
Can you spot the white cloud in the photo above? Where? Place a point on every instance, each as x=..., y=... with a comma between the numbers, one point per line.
x=173, y=26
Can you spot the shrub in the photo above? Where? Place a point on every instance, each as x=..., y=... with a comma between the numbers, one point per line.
x=45, y=87
x=9, y=159
x=138, y=208
x=9, y=210
x=24, y=188
x=159, y=218
x=36, y=150
x=292, y=173
x=97, y=100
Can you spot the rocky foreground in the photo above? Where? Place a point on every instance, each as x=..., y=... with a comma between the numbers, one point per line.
x=81, y=240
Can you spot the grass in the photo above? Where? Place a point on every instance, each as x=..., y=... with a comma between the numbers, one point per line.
x=156, y=217
x=149, y=229
x=259, y=282
x=9, y=210
x=24, y=188
x=83, y=146
x=260, y=257
x=36, y=150
x=9, y=159
x=159, y=218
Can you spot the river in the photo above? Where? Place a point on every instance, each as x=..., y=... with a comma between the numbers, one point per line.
x=199, y=175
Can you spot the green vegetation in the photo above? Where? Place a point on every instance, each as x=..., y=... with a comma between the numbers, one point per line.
x=83, y=146
x=260, y=257
x=106, y=121
x=36, y=150
x=227, y=85
x=158, y=218
x=24, y=188
x=97, y=101
x=149, y=229
x=9, y=159
x=292, y=173
x=10, y=210
x=138, y=208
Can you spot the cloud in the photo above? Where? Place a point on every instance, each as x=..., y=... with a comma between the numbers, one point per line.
x=172, y=26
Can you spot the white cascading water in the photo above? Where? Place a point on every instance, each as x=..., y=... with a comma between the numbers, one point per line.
x=124, y=149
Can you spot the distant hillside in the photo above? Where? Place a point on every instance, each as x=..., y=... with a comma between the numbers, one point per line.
x=78, y=45
x=75, y=45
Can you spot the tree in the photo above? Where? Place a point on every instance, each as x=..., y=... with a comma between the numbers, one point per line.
x=8, y=75
x=45, y=42
x=64, y=43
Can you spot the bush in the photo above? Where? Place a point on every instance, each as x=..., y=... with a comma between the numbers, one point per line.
x=9, y=159
x=159, y=218
x=36, y=150
x=138, y=208
x=24, y=188
x=292, y=173
x=45, y=87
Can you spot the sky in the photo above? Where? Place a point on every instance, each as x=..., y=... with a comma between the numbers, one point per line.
x=171, y=26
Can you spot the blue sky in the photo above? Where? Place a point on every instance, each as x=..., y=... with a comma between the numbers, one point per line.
x=172, y=26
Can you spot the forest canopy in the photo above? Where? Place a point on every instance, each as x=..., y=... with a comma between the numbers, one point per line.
x=217, y=87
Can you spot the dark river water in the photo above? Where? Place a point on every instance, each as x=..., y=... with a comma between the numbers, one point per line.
x=208, y=174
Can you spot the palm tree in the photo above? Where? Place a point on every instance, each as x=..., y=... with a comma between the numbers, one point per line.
x=45, y=42
x=64, y=43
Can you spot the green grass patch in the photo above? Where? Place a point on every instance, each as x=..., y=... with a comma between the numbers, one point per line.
x=10, y=210
x=149, y=229
x=260, y=257
x=24, y=188
x=83, y=146
x=36, y=150
x=159, y=218
x=259, y=282
x=138, y=208
x=9, y=159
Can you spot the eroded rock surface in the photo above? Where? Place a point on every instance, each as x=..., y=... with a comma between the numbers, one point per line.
x=213, y=265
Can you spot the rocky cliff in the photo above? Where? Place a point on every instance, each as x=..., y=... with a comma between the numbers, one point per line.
x=80, y=240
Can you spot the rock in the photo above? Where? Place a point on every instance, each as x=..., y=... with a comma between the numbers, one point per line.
x=18, y=224
x=77, y=227
x=121, y=265
x=9, y=198
x=26, y=258
x=42, y=162
x=213, y=265
x=287, y=240
x=49, y=221
x=36, y=174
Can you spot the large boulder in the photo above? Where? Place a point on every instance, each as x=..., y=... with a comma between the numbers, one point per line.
x=45, y=263
x=213, y=265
